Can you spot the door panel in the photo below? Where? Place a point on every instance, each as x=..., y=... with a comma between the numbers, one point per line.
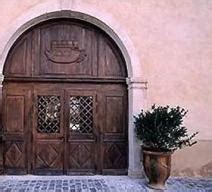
x=65, y=129
x=15, y=108
x=81, y=132
x=114, y=146
x=81, y=159
x=48, y=130
x=15, y=156
x=16, y=135
x=114, y=157
x=48, y=157
x=67, y=48
x=114, y=114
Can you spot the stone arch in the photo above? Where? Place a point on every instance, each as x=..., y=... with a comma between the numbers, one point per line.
x=136, y=85
x=119, y=37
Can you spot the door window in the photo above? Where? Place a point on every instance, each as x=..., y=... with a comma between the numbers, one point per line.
x=81, y=114
x=48, y=118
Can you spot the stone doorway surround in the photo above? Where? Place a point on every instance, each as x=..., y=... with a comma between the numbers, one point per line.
x=65, y=9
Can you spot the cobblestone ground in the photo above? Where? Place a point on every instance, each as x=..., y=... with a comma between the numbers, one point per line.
x=96, y=184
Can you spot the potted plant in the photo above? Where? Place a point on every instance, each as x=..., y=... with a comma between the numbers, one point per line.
x=161, y=132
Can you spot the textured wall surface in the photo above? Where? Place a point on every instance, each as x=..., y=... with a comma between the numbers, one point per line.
x=172, y=42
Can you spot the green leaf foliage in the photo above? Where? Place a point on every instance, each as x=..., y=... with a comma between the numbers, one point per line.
x=161, y=128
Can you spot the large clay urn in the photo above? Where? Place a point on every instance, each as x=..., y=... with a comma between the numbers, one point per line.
x=157, y=166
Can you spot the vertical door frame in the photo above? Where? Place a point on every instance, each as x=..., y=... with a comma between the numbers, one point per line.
x=73, y=91
x=39, y=137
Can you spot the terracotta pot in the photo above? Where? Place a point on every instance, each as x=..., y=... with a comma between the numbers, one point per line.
x=157, y=166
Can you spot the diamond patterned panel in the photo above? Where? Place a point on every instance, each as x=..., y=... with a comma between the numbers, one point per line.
x=114, y=156
x=81, y=114
x=49, y=155
x=48, y=114
x=14, y=155
x=81, y=155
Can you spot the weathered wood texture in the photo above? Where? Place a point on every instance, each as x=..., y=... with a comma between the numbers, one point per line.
x=65, y=49
x=65, y=102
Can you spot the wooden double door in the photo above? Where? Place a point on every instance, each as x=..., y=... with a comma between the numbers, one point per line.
x=65, y=128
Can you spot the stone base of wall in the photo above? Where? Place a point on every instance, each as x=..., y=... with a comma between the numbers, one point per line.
x=195, y=161
x=136, y=174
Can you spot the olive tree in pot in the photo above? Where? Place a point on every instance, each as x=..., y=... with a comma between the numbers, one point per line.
x=161, y=132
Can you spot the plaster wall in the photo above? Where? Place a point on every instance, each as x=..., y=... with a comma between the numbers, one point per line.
x=169, y=45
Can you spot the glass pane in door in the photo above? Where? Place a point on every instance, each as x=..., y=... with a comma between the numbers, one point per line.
x=81, y=114
x=48, y=119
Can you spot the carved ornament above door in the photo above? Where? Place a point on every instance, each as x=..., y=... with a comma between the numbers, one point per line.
x=65, y=52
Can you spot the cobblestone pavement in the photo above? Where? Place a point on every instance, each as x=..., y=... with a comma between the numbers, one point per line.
x=97, y=184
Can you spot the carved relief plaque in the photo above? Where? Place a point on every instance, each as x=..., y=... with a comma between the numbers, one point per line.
x=65, y=52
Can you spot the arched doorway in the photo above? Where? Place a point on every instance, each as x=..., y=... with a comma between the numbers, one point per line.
x=65, y=101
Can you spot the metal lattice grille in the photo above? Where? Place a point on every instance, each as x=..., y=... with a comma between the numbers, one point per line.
x=81, y=114
x=48, y=114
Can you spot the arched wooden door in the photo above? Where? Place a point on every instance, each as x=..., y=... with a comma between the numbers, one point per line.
x=65, y=102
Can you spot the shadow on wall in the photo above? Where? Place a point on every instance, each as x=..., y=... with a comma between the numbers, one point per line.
x=204, y=171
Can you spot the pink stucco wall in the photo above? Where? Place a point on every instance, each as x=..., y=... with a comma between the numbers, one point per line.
x=172, y=42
